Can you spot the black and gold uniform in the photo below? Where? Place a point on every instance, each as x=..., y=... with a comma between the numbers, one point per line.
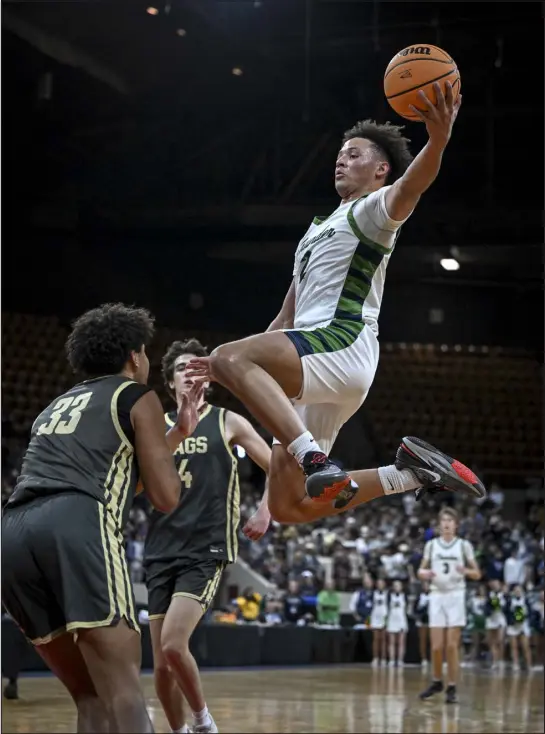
x=187, y=550
x=63, y=556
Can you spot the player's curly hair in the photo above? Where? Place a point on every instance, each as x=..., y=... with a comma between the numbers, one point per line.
x=387, y=140
x=103, y=338
x=175, y=350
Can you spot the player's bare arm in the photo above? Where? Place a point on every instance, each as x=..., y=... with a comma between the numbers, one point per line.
x=424, y=572
x=158, y=471
x=404, y=194
x=471, y=570
x=239, y=431
x=191, y=406
x=284, y=320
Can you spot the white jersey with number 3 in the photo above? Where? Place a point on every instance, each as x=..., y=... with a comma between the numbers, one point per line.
x=443, y=558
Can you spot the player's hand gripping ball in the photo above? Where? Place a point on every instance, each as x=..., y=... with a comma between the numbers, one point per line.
x=416, y=68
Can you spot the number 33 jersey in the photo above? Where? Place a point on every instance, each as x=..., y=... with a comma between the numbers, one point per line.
x=340, y=264
x=443, y=558
x=84, y=442
x=205, y=523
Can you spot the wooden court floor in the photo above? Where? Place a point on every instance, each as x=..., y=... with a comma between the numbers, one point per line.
x=320, y=699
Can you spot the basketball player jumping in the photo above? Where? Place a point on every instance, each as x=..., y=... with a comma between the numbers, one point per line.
x=65, y=579
x=187, y=550
x=447, y=562
x=321, y=352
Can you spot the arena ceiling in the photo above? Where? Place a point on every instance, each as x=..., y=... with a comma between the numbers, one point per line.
x=133, y=124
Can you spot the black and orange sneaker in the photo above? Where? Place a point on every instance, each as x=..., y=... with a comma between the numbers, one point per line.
x=326, y=482
x=436, y=470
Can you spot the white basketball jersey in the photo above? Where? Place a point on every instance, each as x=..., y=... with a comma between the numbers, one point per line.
x=443, y=558
x=380, y=599
x=398, y=604
x=340, y=264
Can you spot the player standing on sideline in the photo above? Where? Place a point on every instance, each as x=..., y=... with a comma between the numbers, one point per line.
x=321, y=352
x=187, y=550
x=447, y=562
x=65, y=578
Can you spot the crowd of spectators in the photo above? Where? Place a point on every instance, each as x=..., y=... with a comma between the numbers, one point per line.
x=311, y=564
x=386, y=538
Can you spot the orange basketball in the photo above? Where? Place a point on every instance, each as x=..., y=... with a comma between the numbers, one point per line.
x=418, y=67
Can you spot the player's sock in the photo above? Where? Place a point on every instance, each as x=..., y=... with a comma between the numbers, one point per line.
x=303, y=445
x=395, y=480
x=184, y=730
x=202, y=718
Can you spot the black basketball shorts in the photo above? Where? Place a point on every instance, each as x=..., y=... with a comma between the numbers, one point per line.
x=195, y=579
x=64, y=567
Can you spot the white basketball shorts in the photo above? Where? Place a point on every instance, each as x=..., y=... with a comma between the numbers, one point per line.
x=447, y=608
x=336, y=378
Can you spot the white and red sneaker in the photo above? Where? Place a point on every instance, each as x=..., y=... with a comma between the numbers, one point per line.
x=436, y=470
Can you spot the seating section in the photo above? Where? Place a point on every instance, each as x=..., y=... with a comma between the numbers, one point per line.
x=35, y=369
x=481, y=404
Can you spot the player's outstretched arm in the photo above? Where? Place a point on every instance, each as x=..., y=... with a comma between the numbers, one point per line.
x=240, y=432
x=155, y=459
x=404, y=194
x=285, y=318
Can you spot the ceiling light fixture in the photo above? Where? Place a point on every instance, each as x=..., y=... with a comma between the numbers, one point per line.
x=181, y=32
x=152, y=11
x=449, y=263
x=237, y=71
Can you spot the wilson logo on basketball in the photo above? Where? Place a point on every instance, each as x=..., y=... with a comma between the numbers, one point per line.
x=415, y=50
x=405, y=74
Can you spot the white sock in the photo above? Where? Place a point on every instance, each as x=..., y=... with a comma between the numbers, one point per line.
x=183, y=730
x=202, y=717
x=395, y=480
x=301, y=445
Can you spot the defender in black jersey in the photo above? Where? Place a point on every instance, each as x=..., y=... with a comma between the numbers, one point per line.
x=187, y=550
x=64, y=573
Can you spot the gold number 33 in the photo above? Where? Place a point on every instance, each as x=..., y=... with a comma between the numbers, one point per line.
x=74, y=407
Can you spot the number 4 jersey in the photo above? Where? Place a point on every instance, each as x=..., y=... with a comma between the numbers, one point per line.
x=443, y=558
x=205, y=523
x=84, y=442
x=340, y=264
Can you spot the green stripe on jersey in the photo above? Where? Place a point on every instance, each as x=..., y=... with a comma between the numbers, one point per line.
x=359, y=234
x=347, y=323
